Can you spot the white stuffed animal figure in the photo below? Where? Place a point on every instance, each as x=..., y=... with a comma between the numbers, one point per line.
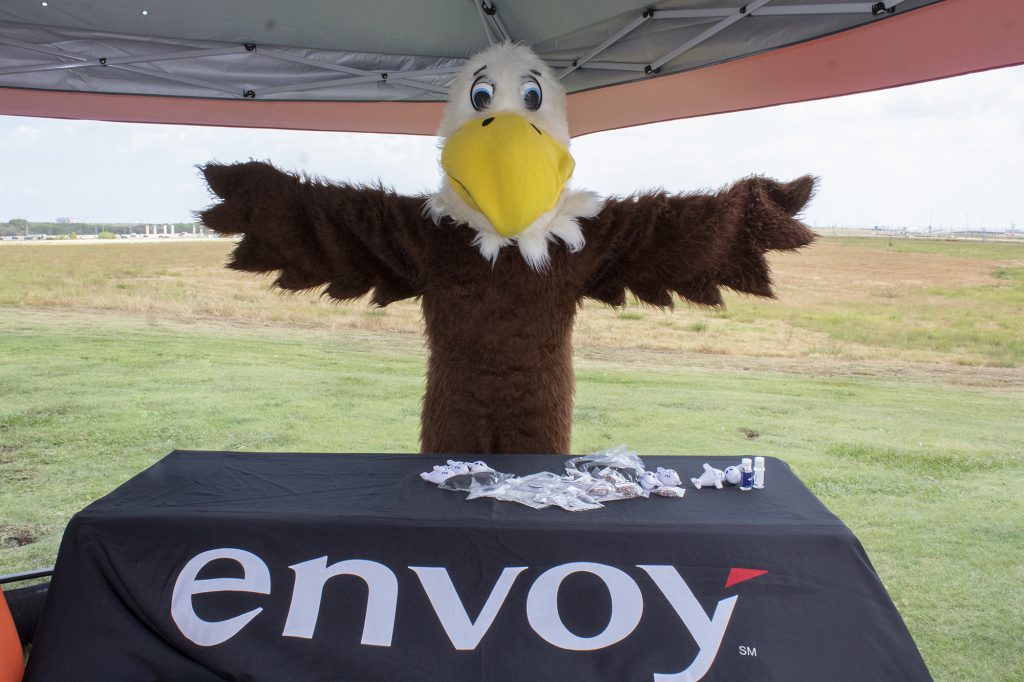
x=649, y=480
x=668, y=477
x=665, y=482
x=711, y=476
x=440, y=474
x=459, y=467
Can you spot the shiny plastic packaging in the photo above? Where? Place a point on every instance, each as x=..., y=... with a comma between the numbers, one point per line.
x=589, y=481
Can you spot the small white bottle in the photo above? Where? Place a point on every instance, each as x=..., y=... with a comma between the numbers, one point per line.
x=746, y=474
x=759, y=472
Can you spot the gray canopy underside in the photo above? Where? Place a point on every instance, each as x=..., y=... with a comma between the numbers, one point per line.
x=386, y=50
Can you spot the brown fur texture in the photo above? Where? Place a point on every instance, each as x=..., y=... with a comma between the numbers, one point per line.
x=499, y=373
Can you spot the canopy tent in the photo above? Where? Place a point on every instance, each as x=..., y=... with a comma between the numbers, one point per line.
x=385, y=65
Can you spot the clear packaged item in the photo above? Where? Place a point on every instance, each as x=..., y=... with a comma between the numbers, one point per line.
x=620, y=459
x=588, y=482
x=540, y=490
x=469, y=482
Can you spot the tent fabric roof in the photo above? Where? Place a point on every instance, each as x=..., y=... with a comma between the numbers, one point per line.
x=385, y=65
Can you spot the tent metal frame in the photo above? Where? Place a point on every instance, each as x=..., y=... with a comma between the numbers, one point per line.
x=437, y=79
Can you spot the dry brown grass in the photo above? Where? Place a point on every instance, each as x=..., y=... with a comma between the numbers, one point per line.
x=830, y=285
x=827, y=278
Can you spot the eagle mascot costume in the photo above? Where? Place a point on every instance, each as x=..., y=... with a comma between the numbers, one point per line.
x=503, y=254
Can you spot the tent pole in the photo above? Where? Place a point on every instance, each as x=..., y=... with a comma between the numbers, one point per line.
x=741, y=13
x=89, y=62
x=486, y=24
x=780, y=10
x=178, y=79
x=619, y=35
x=490, y=16
x=608, y=66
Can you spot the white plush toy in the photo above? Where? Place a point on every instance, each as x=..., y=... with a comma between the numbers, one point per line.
x=458, y=467
x=711, y=476
x=668, y=477
x=440, y=474
x=664, y=483
x=733, y=475
x=469, y=467
x=649, y=480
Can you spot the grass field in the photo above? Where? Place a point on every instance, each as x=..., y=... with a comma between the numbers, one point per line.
x=890, y=375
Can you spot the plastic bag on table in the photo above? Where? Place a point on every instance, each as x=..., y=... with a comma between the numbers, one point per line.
x=540, y=490
x=608, y=487
x=575, y=501
x=529, y=490
x=669, y=491
x=474, y=481
x=569, y=494
x=615, y=464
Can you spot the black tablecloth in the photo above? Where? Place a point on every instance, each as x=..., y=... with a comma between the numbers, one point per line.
x=272, y=566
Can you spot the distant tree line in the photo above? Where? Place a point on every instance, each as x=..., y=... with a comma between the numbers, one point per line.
x=19, y=227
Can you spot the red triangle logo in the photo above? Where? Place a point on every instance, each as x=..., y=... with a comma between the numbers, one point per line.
x=739, y=575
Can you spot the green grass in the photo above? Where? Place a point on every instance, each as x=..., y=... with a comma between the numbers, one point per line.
x=925, y=473
x=106, y=398
x=982, y=326
x=957, y=248
x=927, y=310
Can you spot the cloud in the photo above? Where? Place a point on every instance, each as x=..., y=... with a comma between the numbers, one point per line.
x=121, y=172
x=943, y=153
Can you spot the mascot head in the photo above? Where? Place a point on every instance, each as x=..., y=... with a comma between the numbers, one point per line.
x=505, y=157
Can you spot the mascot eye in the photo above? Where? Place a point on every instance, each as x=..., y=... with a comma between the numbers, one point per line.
x=481, y=95
x=532, y=95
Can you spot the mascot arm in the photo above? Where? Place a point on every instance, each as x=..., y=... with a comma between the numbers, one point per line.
x=658, y=244
x=352, y=239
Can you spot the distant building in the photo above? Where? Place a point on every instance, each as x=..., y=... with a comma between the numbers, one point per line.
x=66, y=221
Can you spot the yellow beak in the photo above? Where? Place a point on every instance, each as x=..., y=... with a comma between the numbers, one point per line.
x=508, y=169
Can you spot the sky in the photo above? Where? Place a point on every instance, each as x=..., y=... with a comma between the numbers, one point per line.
x=947, y=154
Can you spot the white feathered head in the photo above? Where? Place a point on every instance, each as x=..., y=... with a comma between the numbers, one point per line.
x=505, y=157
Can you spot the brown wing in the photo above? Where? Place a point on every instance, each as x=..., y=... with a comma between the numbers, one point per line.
x=352, y=239
x=658, y=244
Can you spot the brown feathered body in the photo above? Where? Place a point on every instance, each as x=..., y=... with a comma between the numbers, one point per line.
x=499, y=373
